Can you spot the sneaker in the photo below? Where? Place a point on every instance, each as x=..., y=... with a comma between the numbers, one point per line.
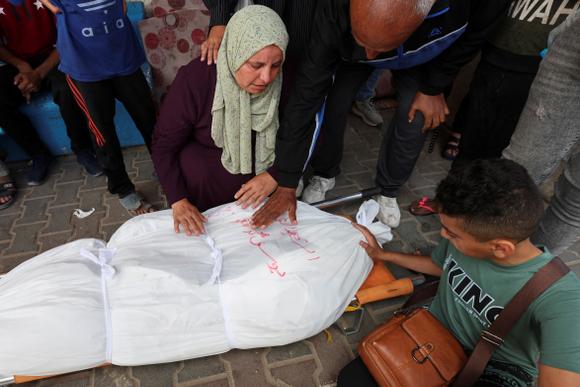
x=317, y=189
x=389, y=212
x=90, y=163
x=367, y=112
x=39, y=169
x=300, y=187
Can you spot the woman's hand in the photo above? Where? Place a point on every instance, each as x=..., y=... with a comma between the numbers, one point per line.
x=256, y=190
x=371, y=246
x=188, y=216
x=210, y=48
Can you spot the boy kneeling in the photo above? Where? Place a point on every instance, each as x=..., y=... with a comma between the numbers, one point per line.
x=488, y=210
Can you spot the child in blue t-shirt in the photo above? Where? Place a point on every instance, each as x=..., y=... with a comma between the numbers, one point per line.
x=101, y=56
x=488, y=209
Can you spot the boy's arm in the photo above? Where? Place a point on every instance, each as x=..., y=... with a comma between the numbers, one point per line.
x=420, y=263
x=11, y=59
x=551, y=376
x=28, y=80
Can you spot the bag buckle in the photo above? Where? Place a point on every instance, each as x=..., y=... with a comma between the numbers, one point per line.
x=423, y=351
x=491, y=338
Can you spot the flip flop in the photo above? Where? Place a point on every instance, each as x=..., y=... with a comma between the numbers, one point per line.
x=423, y=207
x=7, y=188
x=8, y=203
x=136, y=205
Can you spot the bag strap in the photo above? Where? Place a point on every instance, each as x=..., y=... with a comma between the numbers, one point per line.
x=492, y=338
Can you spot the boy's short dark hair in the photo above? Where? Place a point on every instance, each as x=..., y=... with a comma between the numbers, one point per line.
x=494, y=198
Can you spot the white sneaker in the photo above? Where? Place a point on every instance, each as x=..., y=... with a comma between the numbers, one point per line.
x=389, y=212
x=317, y=189
x=300, y=187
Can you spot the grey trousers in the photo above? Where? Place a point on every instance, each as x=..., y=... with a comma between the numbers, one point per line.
x=547, y=133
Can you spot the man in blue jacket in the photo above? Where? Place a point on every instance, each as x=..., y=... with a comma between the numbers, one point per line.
x=424, y=43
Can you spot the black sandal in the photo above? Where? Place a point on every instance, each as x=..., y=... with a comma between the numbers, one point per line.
x=451, y=149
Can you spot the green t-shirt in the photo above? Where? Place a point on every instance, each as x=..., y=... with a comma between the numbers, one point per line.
x=473, y=291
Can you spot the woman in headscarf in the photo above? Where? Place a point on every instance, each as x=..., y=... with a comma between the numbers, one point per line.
x=215, y=137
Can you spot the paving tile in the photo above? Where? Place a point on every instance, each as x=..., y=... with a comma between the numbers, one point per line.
x=52, y=240
x=34, y=211
x=362, y=180
x=92, y=182
x=115, y=213
x=286, y=352
x=89, y=227
x=333, y=355
x=107, y=230
x=156, y=375
x=114, y=376
x=71, y=171
x=60, y=219
x=151, y=191
x=41, y=191
x=93, y=199
x=144, y=169
x=247, y=367
x=25, y=239
x=66, y=193
x=301, y=374
x=202, y=368
x=6, y=222
x=428, y=223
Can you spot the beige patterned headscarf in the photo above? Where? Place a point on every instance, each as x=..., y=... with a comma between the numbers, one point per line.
x=236, y=112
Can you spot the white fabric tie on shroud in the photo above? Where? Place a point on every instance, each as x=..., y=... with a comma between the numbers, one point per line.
x=107, y=273
x=218, y=258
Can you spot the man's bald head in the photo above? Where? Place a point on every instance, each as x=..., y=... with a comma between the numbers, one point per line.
x=383, y=25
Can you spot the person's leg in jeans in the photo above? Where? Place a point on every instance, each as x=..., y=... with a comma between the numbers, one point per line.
x=75, y=122
x=363, y=106
x=548, y=131
x=329, y=147
x=18, y=127
x=400, y=149
x=134, y=93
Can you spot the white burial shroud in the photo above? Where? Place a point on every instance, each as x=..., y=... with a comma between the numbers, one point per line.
x=153, y=296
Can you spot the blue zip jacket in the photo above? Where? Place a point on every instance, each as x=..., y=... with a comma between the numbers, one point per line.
x=448, y=38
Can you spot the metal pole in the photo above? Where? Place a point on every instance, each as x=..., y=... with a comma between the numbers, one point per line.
x=364, y=194
x=6, y=380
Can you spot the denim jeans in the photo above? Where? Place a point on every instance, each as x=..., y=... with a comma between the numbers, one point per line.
x=548, y=132
x=367, y=90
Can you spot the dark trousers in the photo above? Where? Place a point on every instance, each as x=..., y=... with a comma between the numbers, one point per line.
x=328, y=152
x=403, y=140
x=490, y=111
x=97, y=100
x=18, y=126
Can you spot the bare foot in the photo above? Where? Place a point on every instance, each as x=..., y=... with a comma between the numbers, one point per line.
x=144, y=208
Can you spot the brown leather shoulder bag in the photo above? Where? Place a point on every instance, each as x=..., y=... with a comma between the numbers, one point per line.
x=414, y=349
